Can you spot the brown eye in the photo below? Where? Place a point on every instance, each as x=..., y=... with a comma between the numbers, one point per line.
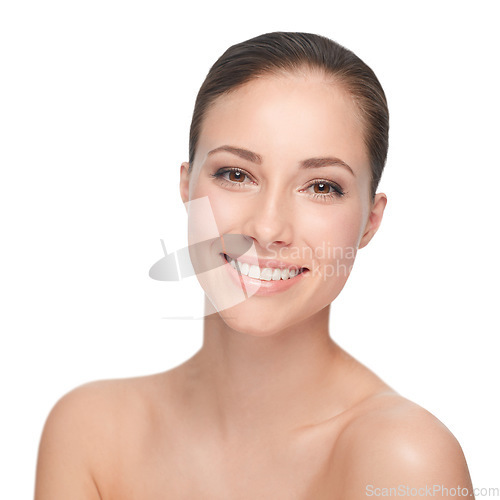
x=236, y=176
x=232, y=175
x=322, y=188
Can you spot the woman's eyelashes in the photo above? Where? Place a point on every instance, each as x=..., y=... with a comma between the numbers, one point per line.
x=319, y=189
x=324, y=189
x=234, y=175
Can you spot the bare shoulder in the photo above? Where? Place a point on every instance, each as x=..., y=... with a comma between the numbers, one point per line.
x=393, y=441
x=84, y=429
x=96, y=407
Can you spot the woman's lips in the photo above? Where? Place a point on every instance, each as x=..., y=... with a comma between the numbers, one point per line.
x=271, y=280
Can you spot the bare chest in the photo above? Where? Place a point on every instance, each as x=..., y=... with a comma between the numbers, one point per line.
x=299, y=468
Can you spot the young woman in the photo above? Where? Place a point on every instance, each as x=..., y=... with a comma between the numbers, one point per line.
x=288, y=142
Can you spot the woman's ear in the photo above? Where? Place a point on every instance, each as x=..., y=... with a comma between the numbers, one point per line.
x=374, y=219
x=184, y=182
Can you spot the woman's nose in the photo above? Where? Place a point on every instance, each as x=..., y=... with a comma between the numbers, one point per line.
x=269, y=219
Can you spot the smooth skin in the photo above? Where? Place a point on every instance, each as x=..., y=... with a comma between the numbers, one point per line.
x=270, y=406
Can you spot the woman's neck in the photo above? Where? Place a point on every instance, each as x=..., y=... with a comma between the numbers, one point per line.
x=244, y=384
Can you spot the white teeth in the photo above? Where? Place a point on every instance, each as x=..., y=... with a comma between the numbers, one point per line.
x=276, y=275
x=265, y=274
x=254, y=272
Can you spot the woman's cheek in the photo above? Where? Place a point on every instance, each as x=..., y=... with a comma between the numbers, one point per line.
x=338, y=227
x=333, y=239
x=227, y=210
x=219, y=203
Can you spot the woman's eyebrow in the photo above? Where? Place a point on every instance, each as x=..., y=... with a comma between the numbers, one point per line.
x=242, y=153
x=325, y=162
x=309, y=163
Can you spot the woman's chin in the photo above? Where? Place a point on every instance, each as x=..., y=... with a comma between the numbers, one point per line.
x=252, y=327
x=259, y=322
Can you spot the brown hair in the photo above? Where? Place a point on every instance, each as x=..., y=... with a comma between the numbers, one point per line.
x=288, y=52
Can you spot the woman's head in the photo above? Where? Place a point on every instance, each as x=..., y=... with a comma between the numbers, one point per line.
x=279, y=158
x=287, y=52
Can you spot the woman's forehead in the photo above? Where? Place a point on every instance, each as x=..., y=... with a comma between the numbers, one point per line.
x=297, y=115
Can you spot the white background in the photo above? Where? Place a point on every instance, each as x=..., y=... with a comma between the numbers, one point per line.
x=96, y=99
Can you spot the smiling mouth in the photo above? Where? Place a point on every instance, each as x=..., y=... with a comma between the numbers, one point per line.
x=264, y=273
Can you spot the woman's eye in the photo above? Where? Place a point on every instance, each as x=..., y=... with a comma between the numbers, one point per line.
x=323, y=189
x=233, y=175
x=236, y=176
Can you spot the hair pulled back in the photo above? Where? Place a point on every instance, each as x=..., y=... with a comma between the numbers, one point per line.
x=279, y=52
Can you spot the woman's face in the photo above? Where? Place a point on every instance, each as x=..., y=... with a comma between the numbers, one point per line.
x=283, y=163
